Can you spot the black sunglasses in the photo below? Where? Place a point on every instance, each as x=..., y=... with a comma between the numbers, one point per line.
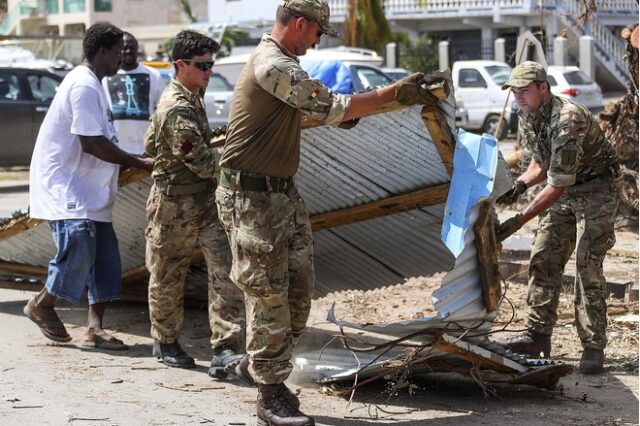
x=201, y=65
x=320, y=33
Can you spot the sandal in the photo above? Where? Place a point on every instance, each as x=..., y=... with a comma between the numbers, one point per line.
x=52, y=328
x=103, y=341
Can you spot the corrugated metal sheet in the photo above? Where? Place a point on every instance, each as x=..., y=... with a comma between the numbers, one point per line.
x=384, y=155
x=477, y=174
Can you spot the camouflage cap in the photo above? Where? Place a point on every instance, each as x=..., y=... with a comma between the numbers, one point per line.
x=525, y=74
x=316, y=10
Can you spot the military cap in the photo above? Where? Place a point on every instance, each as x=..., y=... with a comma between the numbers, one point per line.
x=316, y=10
x=525, y=74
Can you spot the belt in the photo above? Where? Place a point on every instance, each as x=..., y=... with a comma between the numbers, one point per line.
x=187, y=189
x=234, y=179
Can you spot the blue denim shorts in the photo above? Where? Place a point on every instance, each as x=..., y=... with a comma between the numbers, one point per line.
x=87, y=258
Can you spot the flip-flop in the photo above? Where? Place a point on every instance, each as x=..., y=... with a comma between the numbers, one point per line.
x=48, y=327
x=108, y=343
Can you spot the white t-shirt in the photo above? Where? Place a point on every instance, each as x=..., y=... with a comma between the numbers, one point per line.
x=133, y=96
x=64, y=181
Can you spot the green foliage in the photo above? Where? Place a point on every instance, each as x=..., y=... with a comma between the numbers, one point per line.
x=422, y=55
x=186, y=9
x=230, y=38
x=372, y=30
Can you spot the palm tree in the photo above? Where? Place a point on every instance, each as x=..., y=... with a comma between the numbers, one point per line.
x=366, y=25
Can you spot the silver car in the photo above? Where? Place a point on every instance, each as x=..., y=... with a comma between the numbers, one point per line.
x=217, y=100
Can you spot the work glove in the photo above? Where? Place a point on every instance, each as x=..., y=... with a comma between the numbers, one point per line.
x=508, y=228
x=519, y=188
x=412, y=90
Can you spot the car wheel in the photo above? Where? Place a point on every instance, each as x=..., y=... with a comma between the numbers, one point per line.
x=491, y=124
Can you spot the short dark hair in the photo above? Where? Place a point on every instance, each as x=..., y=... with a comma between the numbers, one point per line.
x=539, y=82
x=191, y=43
x=99, y=35
x=284, y=15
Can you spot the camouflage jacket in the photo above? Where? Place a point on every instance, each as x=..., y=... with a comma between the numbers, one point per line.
x=565, y=137
x=178, y=138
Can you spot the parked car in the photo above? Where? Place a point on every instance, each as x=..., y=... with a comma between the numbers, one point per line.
x=396, y=73
x=477, y=86
x=217, y=100
x=217, y=97
x=571, y=83
x=25, y=96
x=344, y=76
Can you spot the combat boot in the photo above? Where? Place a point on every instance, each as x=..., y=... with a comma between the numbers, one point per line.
x=530, y=343
x=224, y=360
x=172, y=355
x=592, y=361
x=274, y=409
x=242, y=371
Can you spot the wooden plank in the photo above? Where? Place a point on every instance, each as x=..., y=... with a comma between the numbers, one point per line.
x=22, y=269
x=486, y=246
x=477, y=355
x=441, y=137
x=396, y=204
x=17, y=226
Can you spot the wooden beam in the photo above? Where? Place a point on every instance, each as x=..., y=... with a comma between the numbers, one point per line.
x=486, y=246
x=22, y=269
x=396, y=204
x=441, y=137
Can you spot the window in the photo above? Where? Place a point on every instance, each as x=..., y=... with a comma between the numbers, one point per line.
x=471, y=78
x=102, y=5
x=499, y=74
x=73, y=6
x=43, y=88
x=372, y=78
x=51, y=6
x=552, y=81
x=577, y=78
x=218, y=83
x=10, y=87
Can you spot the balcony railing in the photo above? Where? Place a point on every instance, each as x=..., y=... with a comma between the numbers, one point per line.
x=393, y=8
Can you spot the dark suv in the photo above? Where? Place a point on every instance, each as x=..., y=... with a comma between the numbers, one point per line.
x=25, y=96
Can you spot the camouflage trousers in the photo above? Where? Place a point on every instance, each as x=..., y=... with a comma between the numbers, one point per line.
x=177, y=225
x=583, y=220
x=272, y=248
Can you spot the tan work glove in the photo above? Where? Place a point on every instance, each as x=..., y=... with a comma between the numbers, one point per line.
x=508, y=228
x=519, y=188
x=412, y=90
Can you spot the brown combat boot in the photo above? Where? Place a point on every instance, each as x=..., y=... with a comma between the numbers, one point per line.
x=242, y=371
x=274, y=409
x=592, y=361
x=530, y=343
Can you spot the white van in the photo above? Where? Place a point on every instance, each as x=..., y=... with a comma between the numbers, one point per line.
x=478, y=95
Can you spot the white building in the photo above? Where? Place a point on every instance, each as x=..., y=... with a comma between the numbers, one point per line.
x=151, y=21
x=471, y=26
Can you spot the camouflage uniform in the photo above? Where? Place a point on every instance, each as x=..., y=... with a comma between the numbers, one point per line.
x=182, y=214
x=261, y=209
x=565, y=138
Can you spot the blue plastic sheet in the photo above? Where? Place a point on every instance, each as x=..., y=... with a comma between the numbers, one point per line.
x=474, y=169
x=333, y=73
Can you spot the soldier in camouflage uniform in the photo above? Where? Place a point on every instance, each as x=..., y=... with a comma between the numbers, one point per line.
x=576, y=208
x=259, y=205
x=182, y=214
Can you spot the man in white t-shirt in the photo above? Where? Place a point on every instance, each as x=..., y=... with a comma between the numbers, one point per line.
x=73, y=184
x=133, y=95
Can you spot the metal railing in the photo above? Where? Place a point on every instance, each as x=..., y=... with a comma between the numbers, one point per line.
x=610, y=49
x=403, y=7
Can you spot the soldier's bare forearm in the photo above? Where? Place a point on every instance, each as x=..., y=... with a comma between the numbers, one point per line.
x=535, y=173
x=545, y=199
x=362, y=103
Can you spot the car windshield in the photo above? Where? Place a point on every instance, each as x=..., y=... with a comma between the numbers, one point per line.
x=577, y=77
x=372, y=78
x=218, y=83
x=499, y=73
